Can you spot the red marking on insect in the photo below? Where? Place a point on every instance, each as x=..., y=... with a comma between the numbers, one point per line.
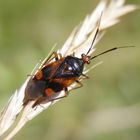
x=54, y=77
x=39, y=75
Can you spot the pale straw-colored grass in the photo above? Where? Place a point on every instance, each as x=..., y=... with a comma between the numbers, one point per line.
x=79, y=42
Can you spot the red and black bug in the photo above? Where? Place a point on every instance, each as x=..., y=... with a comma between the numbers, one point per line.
x=58, y=75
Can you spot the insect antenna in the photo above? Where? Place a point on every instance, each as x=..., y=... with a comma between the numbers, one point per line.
x=96, y=33
x=112, y=49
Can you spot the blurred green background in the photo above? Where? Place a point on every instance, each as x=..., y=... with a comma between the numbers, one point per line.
x=108, y=106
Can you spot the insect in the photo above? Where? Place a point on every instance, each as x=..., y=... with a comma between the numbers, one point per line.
x=53, y=77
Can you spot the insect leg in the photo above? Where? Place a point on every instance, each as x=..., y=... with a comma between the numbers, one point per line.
x=50, y=58
x=55, y=55
x=73, y=54
x=85, y=76
x=66, y=94
x=78, y=86
x=39, y=101
x=60, y=55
